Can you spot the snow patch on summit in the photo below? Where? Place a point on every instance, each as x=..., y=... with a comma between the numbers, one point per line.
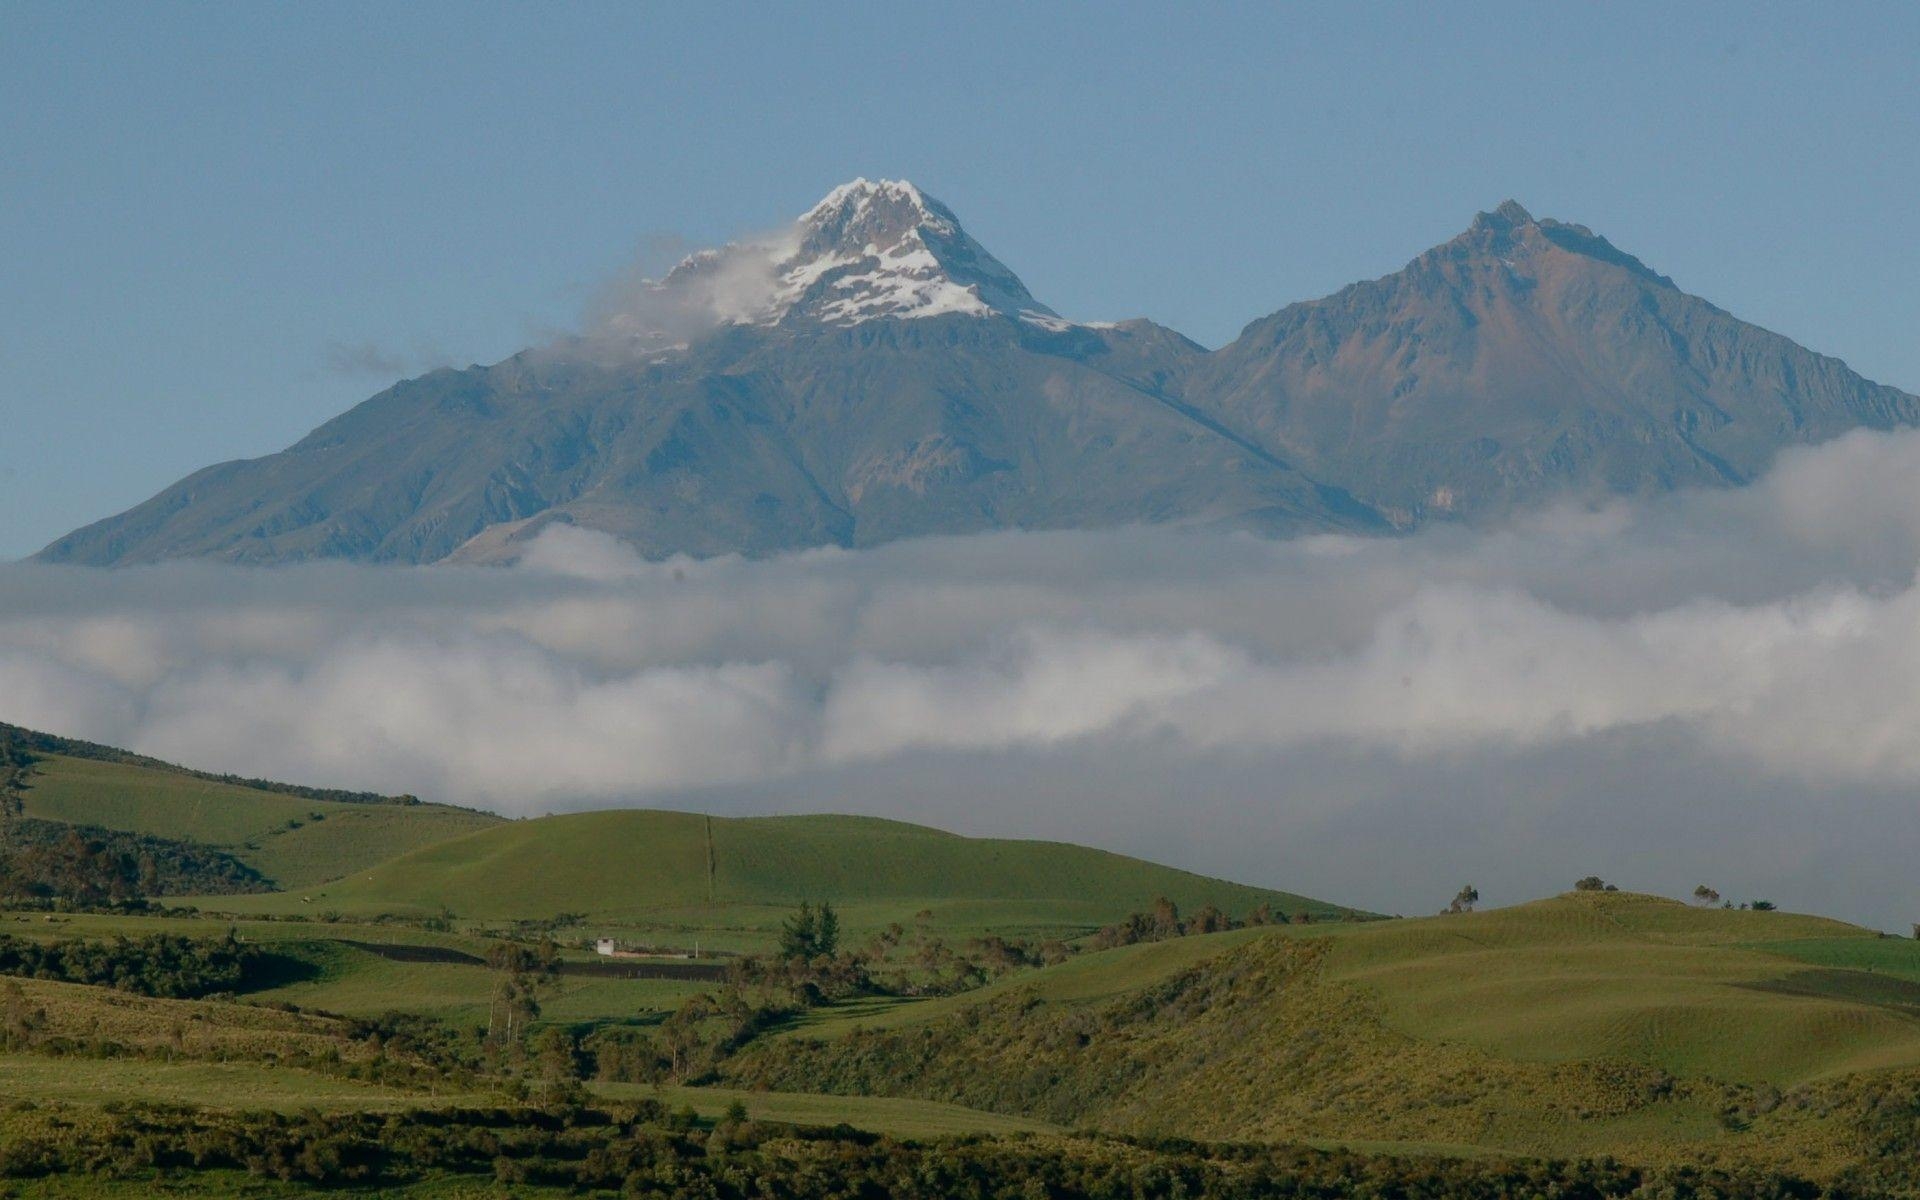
x=886, y=249
x=868, y=250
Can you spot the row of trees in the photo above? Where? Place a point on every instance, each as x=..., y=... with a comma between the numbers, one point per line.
x=1164, y=921
x=1468, y=896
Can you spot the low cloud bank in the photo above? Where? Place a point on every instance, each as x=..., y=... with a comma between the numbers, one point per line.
x=1721, y=684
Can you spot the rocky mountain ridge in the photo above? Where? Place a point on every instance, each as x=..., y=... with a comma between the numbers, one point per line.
x=872, y=373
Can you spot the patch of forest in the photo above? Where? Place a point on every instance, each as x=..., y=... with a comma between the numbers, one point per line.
x=86, y=865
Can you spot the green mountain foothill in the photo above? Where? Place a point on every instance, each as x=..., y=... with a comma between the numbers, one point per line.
x=643, y=996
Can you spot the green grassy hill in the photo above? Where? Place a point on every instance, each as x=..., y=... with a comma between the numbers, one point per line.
x=295, y=838
x=1585, y=1024
x=748, y=872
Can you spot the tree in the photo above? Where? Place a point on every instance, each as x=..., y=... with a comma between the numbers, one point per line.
x=1210, y=919
x=1592, y=883
x=1706, y=895
x=1166, y=917
x=799, y=932
x=1763, y=906
x=810, y=933
x=826, y=938
x=557, y=1061
x=516, y=994
x=1464, y=899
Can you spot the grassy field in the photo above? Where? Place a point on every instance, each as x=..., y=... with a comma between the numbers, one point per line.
x=1107, y=975
x=1583, y=1025
x=1613, y=976
x=335, y=977
x=1605, y=976
x=681, y=870
x=1896, y=958
x=231, y=1085
x=195, y=1029
x=295, y=842
x=355, y=982
x=1586, y=1024
x=256, y=1086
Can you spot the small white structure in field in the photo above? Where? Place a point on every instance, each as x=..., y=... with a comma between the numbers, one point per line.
x=607, y=947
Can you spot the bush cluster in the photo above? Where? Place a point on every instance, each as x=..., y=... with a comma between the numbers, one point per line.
x=646, y=1151
x=162, y=964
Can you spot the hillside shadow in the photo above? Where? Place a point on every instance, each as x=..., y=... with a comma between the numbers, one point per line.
x=1856, y=987
x=271, y=969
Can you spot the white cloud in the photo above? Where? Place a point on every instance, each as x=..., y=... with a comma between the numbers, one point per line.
x=1757, y=650
x=737, y=282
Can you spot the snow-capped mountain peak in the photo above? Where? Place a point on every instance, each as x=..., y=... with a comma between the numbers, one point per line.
x=887, y=249
x=869, y=249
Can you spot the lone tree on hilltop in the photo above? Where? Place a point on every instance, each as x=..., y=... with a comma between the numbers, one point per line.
x=1593, y=883
x=1464, y=899
x=1706, y=895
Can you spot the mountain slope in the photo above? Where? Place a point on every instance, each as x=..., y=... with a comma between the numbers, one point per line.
x=874, y=373
x=293, y=836
x=628, y=863
x=1522, y=361
x=877, y=375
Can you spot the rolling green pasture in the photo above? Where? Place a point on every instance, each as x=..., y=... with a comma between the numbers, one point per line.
x=1615, y=976
x=1581, y=977
x=1087, y=978
x=1586, y=1024
x=1897, y=958
x=636, y=866
x=293, y=841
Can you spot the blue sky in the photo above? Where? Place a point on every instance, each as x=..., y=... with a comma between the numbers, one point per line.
x=221, y=225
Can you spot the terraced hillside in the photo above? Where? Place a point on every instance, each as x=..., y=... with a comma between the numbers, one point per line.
x=1582, y=1025
x=749, y=872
